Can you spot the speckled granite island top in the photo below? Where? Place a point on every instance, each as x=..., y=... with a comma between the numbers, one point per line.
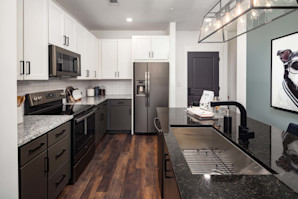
x=97, y=100
x=37, y=125
x=267, y=147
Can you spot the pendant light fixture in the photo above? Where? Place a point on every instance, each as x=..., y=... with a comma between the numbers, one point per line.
x=230, y=19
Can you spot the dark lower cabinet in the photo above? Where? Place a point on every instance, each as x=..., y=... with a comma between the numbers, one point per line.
x=170, y=187
x=44, y=164
x=120, y=115
x=33, y=178
x=100, y=121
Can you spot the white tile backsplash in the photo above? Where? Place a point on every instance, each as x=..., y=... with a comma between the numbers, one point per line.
x=111, y=86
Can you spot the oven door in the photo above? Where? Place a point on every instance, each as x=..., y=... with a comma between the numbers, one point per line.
x=84, y=130
x=64, y=62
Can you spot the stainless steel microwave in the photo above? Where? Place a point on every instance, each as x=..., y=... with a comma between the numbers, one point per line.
x=63, y=63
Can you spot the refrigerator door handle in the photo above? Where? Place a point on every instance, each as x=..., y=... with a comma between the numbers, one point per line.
x=148, y=90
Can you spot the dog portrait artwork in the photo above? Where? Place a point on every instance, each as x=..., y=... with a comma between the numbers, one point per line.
x=284, y=72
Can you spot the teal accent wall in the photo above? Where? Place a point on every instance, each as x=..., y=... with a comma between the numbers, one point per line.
x=259, y=72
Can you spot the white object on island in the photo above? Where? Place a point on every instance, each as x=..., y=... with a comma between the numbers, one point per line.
x=197, y=111
x=206, y=98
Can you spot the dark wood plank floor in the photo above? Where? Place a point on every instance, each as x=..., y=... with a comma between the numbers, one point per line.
x=124, y=166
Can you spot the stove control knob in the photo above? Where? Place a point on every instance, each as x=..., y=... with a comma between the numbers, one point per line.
x=35, y=99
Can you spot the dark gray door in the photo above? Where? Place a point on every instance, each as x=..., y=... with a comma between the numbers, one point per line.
x=203, y=74
x=158, y=90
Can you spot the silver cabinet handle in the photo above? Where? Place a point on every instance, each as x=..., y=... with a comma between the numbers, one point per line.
x=28, y=67
x=22, y=67
x=67, y=41
x=64, y=40
x=87, y=73
x=94, y=73
x=115, y=74
x=152, y=54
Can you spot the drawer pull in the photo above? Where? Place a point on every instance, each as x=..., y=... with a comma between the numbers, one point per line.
x=35, y=149
x=58, y=134
x=60, y=154
x=120, y=102
x=62, y=178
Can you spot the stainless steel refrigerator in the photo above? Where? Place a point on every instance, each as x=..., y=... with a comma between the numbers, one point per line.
x=151, y=90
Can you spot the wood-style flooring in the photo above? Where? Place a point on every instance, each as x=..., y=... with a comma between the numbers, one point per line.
x=124, y=166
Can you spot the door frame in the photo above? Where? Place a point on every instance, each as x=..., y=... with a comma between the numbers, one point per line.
x=222, y=49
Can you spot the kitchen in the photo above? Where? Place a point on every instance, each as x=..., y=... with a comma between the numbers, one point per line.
x=96, y=128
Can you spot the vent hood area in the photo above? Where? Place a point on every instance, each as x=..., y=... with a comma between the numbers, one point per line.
x=229, y=19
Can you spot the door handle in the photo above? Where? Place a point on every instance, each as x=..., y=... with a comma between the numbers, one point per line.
x=67, y=39
x=94, y=73
x=64, y=40
x=22, y=65
x=46, y=164
x=146, y=89
x=29, y=67
x=115, y=74
x=36, y=148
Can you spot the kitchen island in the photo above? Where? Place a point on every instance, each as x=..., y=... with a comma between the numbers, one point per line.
x=266, y=148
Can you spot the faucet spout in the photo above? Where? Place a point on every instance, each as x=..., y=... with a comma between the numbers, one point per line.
x=243, y=115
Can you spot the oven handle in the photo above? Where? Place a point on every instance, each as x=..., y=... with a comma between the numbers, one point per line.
x=85, y=116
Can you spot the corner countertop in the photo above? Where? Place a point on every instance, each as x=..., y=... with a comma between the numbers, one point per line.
x=267, y=147
x=97, y=100
x=37, y=125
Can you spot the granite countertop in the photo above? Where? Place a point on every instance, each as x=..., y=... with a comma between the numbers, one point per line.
x=37, y=125
x=267, y=147
x=97, y=100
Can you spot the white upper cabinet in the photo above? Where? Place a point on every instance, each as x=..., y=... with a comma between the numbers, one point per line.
x=116, y=62
x=70, y=32
x=33, y=40
x=142, y=47
x=62, y=28
x=108, y=59
x=56, y=25
x=124, y=59
x=148, y=48
x=160, y=47
x=81, y=49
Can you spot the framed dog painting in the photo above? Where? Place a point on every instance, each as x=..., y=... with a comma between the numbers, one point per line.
x=284, y=72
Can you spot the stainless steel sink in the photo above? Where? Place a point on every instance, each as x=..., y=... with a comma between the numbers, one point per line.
x=208, y=152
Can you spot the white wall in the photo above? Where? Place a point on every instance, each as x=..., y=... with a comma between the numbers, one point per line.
x=123, y=34
x=187, y=41
x=241, y=69
x=232, y=69
x=8, y=102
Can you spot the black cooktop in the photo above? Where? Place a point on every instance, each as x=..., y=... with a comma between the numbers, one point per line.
x=60, y=109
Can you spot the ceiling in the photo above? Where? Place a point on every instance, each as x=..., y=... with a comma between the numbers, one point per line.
x=146, y=14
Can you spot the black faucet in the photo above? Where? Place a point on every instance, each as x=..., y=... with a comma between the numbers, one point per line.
x=244, y=133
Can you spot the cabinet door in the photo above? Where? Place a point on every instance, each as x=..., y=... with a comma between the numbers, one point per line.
x=109, y=59
x=36, y=39
x=89, y=55
x=160, y=46
x=142, y=47
x=95, y=58
x=33, y=178
x=120, y=118
x=20, y=40
x=124, y=58
x=56, y=25
x=81, y=49
x=70, y=33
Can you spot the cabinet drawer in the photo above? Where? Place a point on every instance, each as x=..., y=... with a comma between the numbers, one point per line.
x=58, y=181
x=32, y=149
x=33, y=178
x=58, y=154
x=121, y=102
x=58, y=133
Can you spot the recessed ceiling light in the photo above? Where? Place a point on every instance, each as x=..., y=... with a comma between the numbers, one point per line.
x=171, y=9
x=129, y=19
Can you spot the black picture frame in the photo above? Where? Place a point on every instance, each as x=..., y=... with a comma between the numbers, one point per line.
x=271, y=72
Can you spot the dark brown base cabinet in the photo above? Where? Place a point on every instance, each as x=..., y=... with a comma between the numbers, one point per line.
x=169, y=188
x=45, y=164
x=119, y=115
